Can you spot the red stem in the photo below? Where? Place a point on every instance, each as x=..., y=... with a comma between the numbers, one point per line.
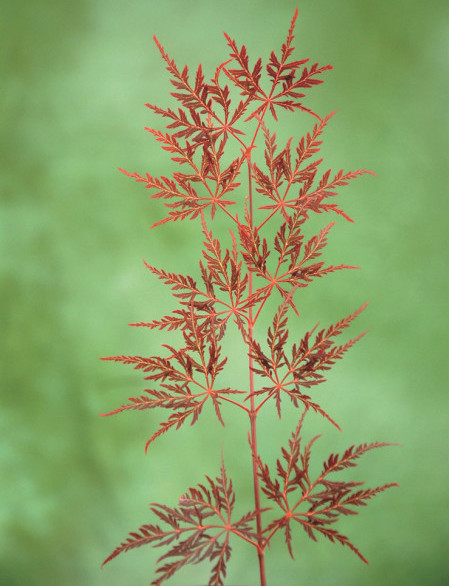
x=253, y=411
x=253, y=416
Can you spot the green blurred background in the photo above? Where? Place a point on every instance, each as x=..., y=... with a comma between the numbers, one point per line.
x=75, y=76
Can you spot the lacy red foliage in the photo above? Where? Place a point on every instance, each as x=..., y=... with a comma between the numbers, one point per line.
x=235, y=283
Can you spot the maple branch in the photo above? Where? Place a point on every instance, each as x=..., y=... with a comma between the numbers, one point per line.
x=238, y=280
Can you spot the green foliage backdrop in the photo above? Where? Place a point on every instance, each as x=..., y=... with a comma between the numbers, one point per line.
x=75, y=76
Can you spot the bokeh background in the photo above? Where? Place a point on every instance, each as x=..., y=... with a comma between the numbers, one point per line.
x=74, y=78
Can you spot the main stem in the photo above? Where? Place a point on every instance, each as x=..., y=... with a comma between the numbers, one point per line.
x=253, y=417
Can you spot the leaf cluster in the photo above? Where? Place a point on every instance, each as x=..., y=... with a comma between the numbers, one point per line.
x=197, y=529
x=316, y=504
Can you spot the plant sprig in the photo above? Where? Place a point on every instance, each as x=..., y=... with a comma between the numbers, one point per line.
x=236, y=283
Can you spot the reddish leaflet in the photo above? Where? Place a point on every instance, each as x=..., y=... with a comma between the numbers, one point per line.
x=235, y=285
